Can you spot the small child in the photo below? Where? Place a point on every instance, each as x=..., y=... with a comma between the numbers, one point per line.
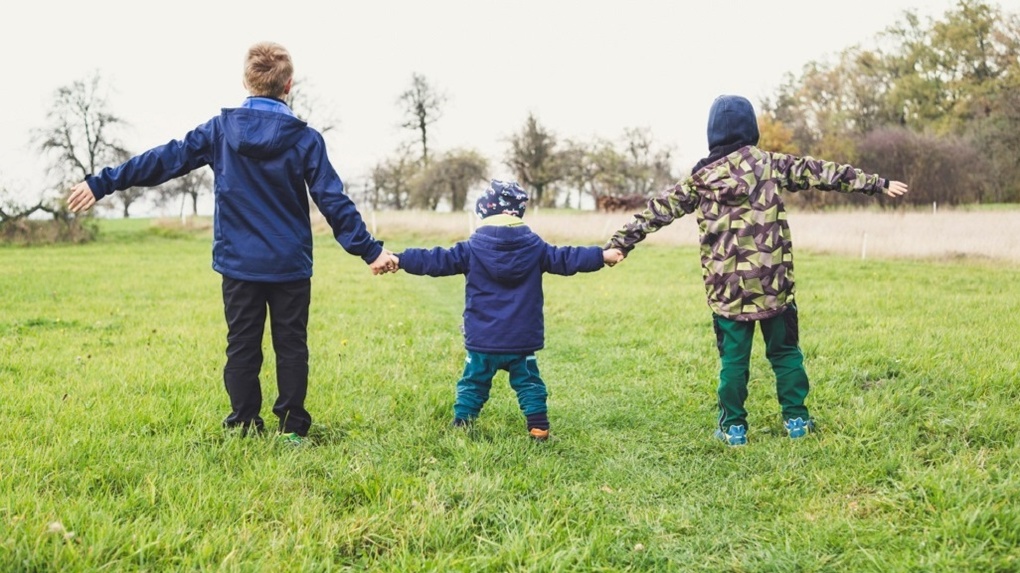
x=266, y=163
x=746, y=253
x=503, y=262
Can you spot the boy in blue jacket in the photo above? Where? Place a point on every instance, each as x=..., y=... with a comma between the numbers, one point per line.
x=502, y=263
x=265, y=162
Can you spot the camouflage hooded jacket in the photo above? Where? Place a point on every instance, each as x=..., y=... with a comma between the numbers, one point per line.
x=746, y=255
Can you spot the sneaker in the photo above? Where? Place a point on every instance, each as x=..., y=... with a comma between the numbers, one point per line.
x=460, y=423
x=291, y=439
x=538, y=434
x=798, y=428
x=735, y=436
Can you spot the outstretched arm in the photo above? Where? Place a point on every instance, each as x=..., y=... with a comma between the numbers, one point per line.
x=799, y=173
x=147, y=169
x=437, y=262
x=662, y=210
x=571, y=260
x=327, y=191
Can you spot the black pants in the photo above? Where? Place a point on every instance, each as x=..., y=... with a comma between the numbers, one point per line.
x=244, y=304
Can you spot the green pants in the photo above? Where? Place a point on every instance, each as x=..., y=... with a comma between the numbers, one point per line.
x=733, y=338
x=479, y=369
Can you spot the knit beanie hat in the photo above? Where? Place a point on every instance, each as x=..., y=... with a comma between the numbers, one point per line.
x=502, y=197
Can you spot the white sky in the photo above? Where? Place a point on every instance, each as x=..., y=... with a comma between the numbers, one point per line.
x=585, y=68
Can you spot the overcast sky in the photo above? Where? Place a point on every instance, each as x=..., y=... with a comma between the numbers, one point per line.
x=584, y=68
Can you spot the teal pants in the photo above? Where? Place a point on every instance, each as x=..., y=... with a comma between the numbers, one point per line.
x=733, y=339
x=479, y=369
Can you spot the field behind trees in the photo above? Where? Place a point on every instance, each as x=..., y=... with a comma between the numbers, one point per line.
x=113, y=458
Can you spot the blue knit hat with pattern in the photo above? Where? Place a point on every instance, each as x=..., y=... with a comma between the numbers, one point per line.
x=502, y=197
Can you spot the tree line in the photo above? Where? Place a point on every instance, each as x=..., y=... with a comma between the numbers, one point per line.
x=932, y=102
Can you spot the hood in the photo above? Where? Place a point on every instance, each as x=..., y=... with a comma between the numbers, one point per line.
x=507, y=254
x=732, y=124
x=260, y=133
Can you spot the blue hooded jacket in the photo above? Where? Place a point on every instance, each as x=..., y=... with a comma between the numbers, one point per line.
x=265, y=163
x=502, y=268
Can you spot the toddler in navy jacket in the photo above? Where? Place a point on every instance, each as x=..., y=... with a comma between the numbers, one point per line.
x=503, y=262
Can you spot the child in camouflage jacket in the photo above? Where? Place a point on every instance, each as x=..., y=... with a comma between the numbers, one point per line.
x=746, y=253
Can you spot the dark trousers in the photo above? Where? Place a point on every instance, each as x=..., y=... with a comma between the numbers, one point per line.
x=245, y=304
x=733, y=339
x=479, y=369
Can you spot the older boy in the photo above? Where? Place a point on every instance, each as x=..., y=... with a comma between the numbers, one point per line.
x=265, y=162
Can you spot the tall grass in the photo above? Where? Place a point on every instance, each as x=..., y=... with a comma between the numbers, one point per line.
x=112, y=457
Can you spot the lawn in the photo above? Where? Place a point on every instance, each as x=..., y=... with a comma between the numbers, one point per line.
x=113, y=458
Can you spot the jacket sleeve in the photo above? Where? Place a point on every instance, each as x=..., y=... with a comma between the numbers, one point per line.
x=159, y=164
x=672, y=204
x=437, y=262
x=571, y=260
x=799, y=173
x=327, y=191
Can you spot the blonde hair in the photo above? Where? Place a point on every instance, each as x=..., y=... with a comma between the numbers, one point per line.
x=267, y=69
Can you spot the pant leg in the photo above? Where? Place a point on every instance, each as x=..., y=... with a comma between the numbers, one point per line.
x=288, y=323
x=527, y=383
x=782, y=348
x=244, y=305
x=474, y=386
x=733, y=340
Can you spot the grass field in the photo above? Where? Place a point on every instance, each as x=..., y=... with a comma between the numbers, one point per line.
x=112, y=457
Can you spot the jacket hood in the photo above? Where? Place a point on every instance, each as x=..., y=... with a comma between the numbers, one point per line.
x=732, y=124
x=261, y=134
x=506, y=253
x=731, y=121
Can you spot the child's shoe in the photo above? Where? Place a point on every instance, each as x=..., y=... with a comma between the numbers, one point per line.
x=538, y=434
x=798, y=428
x=460, y=423
x=735, y=436
x=291, y=439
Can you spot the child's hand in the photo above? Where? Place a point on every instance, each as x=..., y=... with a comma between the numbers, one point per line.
x=81, y=198
x=386, y=262
x=612, y=256
x=895, y=189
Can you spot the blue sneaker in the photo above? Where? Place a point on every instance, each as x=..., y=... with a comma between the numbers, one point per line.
x=798, y=428
x=735, y=436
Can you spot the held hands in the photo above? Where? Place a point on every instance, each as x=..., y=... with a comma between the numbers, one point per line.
x=612, y=256
x=81, y=198
x=386, y=262
x=895, y=189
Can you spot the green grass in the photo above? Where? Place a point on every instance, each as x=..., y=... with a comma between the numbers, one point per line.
x=112, y=457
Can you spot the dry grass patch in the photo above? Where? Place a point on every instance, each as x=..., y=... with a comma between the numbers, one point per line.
x=871, y=234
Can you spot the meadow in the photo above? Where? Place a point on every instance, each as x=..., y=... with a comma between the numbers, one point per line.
x=112, y=456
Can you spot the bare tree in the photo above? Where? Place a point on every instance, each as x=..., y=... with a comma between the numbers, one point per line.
x=449, y=179
x=191, y=185
x=534, y=160
x=391, y=180
x=81, y=136
x=422, y=105
x=648, y=170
